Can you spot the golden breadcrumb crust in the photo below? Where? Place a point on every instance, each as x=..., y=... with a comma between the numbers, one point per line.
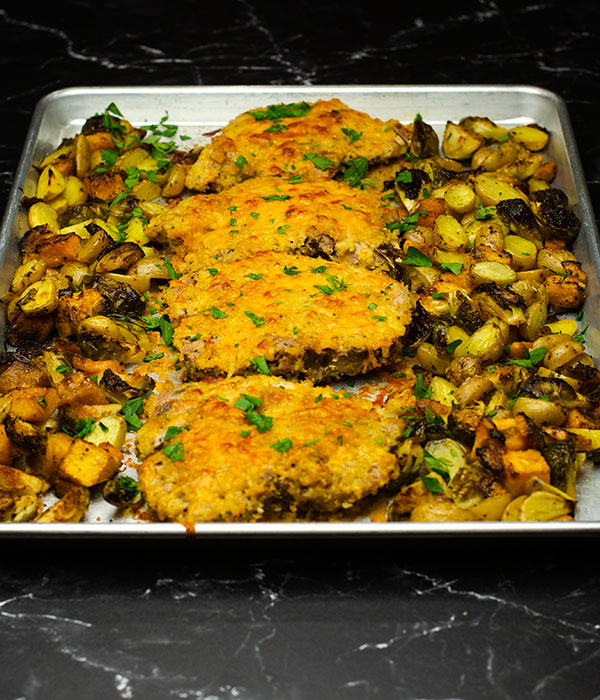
x=295, y=315
x=261, y=447
x=318, y=218
x=315, y=144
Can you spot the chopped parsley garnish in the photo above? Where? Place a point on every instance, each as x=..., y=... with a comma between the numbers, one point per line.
x=274, y=128
x=451, y=347
x=256, y=320
x=248, y=404
x=319, y=269
x=432, y=484
x=352, y=134
x=172, y=431
x=437, y=465
x=42, y=401
x=83, y=427
x=282, y=445
x=530, y=359
x=213, y=271
x=318, y=161
x=336, y=284
x=154, y=356
x=482, y=213
x=356, y=171
x=255, y=275
x=162, y=324
x=453, y=267
x=421, y=390
x=128, y=487
x=241, y=161
x=293, y=270
x=217, y=313
x=131, y=411
x=170, y=269
x=404, y=176
x=174, y=451
x=282, y=111
x=62, y=368
x=415, y=257
x=580, y=337
x=260, y=365
x=276, y=197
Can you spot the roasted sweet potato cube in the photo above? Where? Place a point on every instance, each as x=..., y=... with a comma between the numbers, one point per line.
x=87, y=464
x=105, y=186
x=46, y=464
x=19, y=373
x=100, y=141
x=520, y=466
x=69, y=509
x=74, y=308
x=54, y=249
x=78, y=389
x=33, y=404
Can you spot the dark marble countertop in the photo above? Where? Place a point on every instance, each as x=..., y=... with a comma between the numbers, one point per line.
x=405, y=619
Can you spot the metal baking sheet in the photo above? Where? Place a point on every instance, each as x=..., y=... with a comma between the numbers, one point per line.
x=197, y=110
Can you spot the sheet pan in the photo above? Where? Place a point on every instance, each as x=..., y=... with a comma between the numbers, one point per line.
x=198, y=110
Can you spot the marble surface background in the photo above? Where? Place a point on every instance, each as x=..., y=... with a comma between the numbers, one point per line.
x=300, y=620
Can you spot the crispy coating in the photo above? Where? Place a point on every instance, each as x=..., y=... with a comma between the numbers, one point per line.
x=302, y=318
x=321, y=218
x=298, y=451
x=314, y=144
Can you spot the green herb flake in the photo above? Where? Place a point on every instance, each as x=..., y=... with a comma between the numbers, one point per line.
x=174, y=451
x=131, y=411
x=432, y=484
x=404, y=176
x=482, y=213
x=415, y=257
x=421, y=390
x=318, y=161
x=352, y=134
x=172, y=431
x=170, y=269
x=453, y=267
x=282, y=445
x=276, y=197
x=356, y=171
x=256, y=320
x=154, y=356
x=259, y=363
x=451, y=347
x=282, y=111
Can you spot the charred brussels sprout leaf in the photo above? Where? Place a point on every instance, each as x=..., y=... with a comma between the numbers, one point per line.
x=424, y=142
x=122, y=299
x=556, y=219
x=121, y=391
x=419, y=328
x=518, y=217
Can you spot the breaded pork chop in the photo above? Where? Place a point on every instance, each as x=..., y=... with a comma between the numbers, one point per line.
x=289, y=315
x=260, y=448
x=311, y=140
x=320, y=218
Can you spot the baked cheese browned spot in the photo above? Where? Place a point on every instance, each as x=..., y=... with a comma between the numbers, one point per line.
x=311, y=140
x=260, y=448
x=289, y=315
x=320, y=218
